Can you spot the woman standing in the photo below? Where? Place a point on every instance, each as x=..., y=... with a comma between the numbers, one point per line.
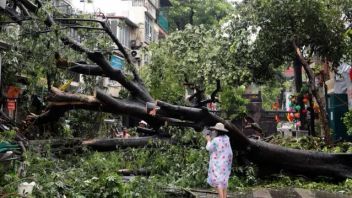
x=220, y=159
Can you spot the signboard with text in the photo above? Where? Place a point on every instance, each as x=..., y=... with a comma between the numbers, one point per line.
x=11, y=105
x=117, y=62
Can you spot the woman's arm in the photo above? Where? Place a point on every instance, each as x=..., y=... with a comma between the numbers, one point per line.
x=211, y=144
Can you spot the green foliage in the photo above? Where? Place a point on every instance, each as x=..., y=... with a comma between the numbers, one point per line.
x=232, y=102
x=86, y=124
x=94, y=174
x=197, y=12
x=312, y=143
x=8, y=135
x=270, y=93
x=347, y=121
x=199, y=56
x=317, y=26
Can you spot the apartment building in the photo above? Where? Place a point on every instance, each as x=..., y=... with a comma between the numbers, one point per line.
x=136, y=23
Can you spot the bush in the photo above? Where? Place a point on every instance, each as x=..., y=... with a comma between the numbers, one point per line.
x=347, y=120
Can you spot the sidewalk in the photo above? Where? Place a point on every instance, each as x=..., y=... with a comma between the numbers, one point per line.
x=274, y=193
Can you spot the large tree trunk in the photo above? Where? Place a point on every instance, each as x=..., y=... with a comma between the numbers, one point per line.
x=114, y=143
x=104, y=144
x=269, y=156
x=301, y=162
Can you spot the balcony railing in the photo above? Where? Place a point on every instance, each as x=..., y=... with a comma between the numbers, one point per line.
x=140, y=3
x=163, y=23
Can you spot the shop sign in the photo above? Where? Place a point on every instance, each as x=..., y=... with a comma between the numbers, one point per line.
x=11, y=105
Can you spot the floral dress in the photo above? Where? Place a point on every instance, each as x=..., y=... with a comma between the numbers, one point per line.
x=220, y=161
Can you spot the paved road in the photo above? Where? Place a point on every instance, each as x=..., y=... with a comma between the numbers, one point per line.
x=274, y=193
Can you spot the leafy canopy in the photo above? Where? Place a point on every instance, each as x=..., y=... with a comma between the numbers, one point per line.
x=196, y=12
x=199, y=56
x=318, y=26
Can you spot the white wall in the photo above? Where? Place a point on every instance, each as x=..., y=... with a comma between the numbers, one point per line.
x=113, y=8
x=105, y=6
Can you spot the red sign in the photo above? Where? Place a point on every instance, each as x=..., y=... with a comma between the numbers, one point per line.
x=11, y=105
x=13, y=92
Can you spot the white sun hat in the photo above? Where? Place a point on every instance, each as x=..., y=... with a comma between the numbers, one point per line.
x=143, y=122
x=219, y=127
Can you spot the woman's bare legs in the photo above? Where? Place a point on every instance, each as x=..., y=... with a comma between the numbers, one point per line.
x=224, y=192
x=221, y=192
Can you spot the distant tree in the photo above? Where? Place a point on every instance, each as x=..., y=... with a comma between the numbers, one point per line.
x=197, y=12
x=199, y=56
x=286, y=31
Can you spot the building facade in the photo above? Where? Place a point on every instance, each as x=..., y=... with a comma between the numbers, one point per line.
x=136, y=23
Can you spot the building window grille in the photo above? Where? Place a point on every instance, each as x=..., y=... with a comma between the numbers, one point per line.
x=138, y=3
x=124, y=35
x=148, y=26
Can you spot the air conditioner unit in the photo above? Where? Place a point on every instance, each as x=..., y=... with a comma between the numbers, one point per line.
x=135, y=44
x=136, y=54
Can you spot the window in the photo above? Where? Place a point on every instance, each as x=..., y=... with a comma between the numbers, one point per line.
x=124, y=35
x=148, y=28
x=138, y=3
x=113, y=26
x=146, y=58
x=122, y=31
x=155, y=3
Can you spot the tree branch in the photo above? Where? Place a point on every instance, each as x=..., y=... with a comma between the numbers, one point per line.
x=107, y=29
x=136, y=89
x=205, y=117
x=59, y=96
x=212, y=96
x=74, y=45
x=29, y=5
x=313, y=88
x=12, y=14
x=93, y=70
x=23, y=9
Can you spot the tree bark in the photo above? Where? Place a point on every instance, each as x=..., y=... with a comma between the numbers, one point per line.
x=277, y=158
x=114, y=143
x=310, y=74
x=301, y=162
x=141, y=171
x=263, y=154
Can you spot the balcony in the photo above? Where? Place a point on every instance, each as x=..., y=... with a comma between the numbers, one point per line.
x=163, y=23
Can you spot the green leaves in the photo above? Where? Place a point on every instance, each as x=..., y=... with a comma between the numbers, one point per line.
x=197, y=12
x=199, y=56
x=347, y=121
x=317, y=26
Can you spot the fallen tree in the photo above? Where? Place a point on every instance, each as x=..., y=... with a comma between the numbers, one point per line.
x=111, y=144
x=264, y=155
